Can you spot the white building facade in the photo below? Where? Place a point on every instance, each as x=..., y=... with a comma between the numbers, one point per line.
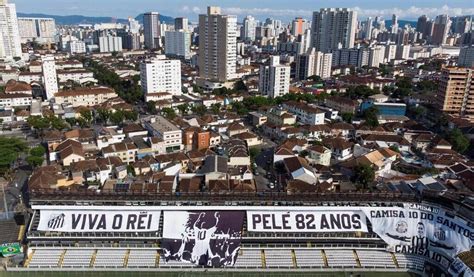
x=161, y=75
x=274, y=79
x=50, y=78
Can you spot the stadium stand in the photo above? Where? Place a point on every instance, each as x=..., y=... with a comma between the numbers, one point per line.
x=249, y=258
x=340, y=258
x=142, y=258
x=110, y=258
x=45, y=258
x=77, y=258
x=278, y=258
x=375, y=259
x=411, y=261
x=309, y=258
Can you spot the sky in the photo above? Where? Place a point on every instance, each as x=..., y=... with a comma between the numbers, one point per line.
x=261, y=9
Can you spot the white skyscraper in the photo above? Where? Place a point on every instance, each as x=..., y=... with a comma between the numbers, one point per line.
x=10, y=44
x=133, y=26
x=161, y=75
x=217, y=45
x=333, y=28
x=248, y=28
x=50, y=78
x=376, y=56
x=368, y=28
x=178, y=43
x=151, y=28
x=181, y=23
x=110, y=44
x=42, y=30
x=313, y=63
x=394, y=28
x=274, y=79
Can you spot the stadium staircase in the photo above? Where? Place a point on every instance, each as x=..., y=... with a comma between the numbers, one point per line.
x=356, y=258
x=157, y=259
x=30, y=256
x=94, y=255
x=325, y=258
x=395, y=261
x=125, y=260
x=293, y=258
x=61, y=258
x=21, y=232
x=264, y=260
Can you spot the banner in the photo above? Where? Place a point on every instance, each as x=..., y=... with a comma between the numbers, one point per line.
x=100, y=220
x=459, y=269
x=315, y=221
x=420, y=231
x=10, y=249
x=207, y=238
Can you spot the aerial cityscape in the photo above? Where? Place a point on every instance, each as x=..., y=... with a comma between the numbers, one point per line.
x=236, y=138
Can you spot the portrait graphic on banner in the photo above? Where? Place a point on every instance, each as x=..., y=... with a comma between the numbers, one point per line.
x=207, y=238
x=421, y=232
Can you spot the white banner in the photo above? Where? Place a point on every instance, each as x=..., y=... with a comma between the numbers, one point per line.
x=420, y=231
x=100, y=219
x=314, y=221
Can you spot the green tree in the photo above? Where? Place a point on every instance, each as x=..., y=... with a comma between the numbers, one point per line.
x=151, y=107
x=240, y=86
x=254, y=152
x=10, y=149
x=117, y=117
x=215, y=108
x=199, y=109
x=370, y=116
x=103, y=115
x=38, y=151
x=34, y=161
x=57, y=123
x=459, y=141
x=183, y=108
x=38, y=122
x=364, y=175
x=86, y=116
x=347, y=117
x=130, y=115
x=168, y=113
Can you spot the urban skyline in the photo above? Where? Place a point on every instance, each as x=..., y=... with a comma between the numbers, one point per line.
x=406, y=10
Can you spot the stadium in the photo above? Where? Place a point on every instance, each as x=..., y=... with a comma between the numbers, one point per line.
x=138, y=233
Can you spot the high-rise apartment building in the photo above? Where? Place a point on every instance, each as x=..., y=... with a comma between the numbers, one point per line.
x=274, y=79
x=110, y=44
x=178, y=43
x=441, y=27
x=333, y=29
x=394, y=28
x=10, y=43
x=299, y=26
x=180, y=23
x=151, y=29
x=41, y=30
x=50, y=78
x=133, y=26
x=249, y=27
x=217, y=45
x=456, y=92
x=466, y=56
x=313, y=63
x=161, y=75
